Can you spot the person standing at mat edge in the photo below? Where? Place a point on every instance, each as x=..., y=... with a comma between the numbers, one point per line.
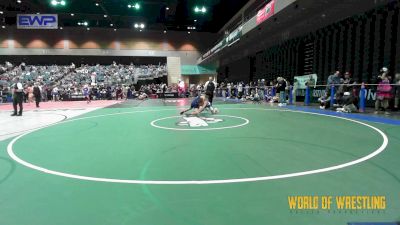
x=37, y=93
x=210, y=88
x=18, y=95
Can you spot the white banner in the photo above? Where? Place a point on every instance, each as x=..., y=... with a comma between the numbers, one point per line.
x=301, y=81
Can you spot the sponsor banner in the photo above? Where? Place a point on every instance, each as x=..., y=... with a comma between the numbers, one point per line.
x=34, y=21
x=301, y=81
x=215, y=49
x=266, y=12
x=233, y=36
x=168, y=95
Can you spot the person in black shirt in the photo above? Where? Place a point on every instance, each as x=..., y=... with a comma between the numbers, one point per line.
x=37, y=94
x=18, y=95
x=210, y=88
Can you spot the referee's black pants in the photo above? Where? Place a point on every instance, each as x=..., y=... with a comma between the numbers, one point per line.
x=17, y=100
x=210, y=96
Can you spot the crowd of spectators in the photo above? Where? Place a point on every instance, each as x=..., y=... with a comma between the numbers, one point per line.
x=118, y=81
x=67, y=82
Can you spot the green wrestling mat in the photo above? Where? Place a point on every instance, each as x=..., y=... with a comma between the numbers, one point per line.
x=149, y=166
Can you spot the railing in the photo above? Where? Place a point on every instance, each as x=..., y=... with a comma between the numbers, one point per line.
x=270, y=91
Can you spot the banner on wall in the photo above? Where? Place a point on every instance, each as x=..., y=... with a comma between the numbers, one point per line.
x=37, y=21
x=266, y=12
x=301, y=81
x=229, y=40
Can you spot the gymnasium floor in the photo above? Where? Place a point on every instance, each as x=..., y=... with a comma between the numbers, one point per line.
x=140, y=163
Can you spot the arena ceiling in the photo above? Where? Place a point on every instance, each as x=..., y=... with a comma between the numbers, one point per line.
x=115, y=14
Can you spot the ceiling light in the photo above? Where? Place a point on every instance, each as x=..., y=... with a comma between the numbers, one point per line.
x=1, y=12
x=137, y=6
x=202, y=9
x=61, y=28
x=136, y=25
x=105, y=16
x=3, y=27
x=85, y=23
x=142, y=25
x=167, y=8
x=58, y=2
x=88, y=28
x=140, y=30
x=129, y=6
x=19, y=1
x=195, y=20
x=72, y=14
x=165, y=31
x=115, y=29
x=37, y=13
x=97, y=4
x=188, y=32
x=79, y=23
x=111, y=25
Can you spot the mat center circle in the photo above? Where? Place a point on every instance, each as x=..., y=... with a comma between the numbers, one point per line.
x=209, y=122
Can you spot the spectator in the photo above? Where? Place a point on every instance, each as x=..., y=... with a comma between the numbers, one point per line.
x=384, y=93
x=348, y=103
x=37, y=94
x=396, y=91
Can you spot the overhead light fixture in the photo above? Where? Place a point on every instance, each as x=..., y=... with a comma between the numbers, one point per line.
x=111, y=25
x=134, y=6
x=105, y=16
x=1, y=12
x=97, y=4
x=140, y=30
x=165, y=31
x=188, y=32
x=201, y=9
x=37, y=13
x=61, y=28
x=83, y=23
x=167, y=8
x=72, y=14
x=195, y=20
x=139, y=25
x=4, y=27
x=88, y=28
x=19, y=1
x=115, y=29
x=58, y=2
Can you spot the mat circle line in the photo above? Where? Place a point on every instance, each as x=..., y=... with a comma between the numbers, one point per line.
x=153, y=123
x=200, y=182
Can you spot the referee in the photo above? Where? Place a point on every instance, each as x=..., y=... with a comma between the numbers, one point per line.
x=18, y=95
x=210, y=88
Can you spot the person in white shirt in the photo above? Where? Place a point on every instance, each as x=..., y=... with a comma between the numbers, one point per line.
x=55, y=94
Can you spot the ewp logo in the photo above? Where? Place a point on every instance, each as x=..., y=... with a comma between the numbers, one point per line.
x=33, y=21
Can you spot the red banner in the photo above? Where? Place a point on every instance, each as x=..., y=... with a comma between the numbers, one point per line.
x=266, y=12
